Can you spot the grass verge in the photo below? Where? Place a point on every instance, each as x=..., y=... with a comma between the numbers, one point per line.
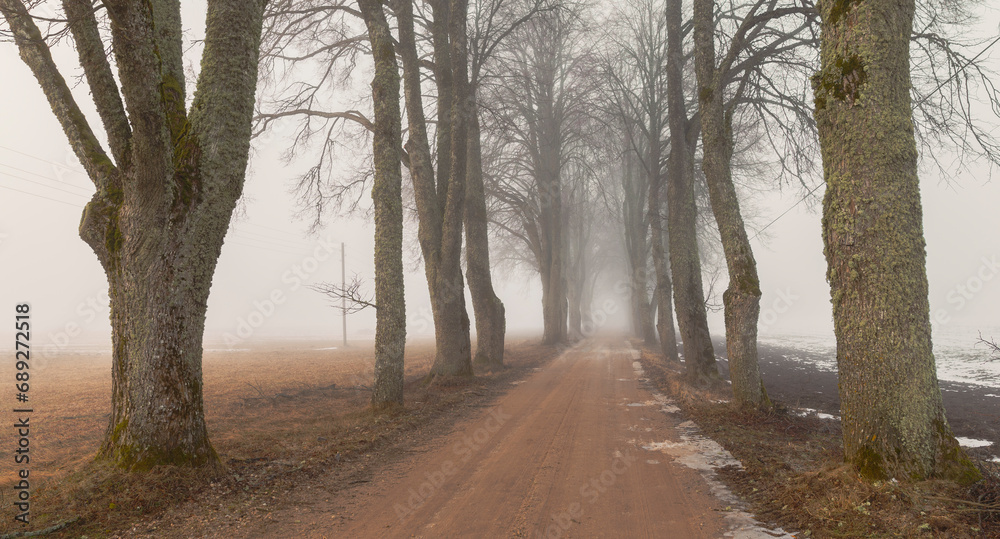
x=794, y=475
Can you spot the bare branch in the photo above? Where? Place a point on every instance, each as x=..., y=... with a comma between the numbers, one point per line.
x=35, y=53
x=355, y=300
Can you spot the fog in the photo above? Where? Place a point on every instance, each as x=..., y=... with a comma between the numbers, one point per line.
x=260, y=291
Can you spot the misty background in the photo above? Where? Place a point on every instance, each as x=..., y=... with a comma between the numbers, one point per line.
x=270, y=255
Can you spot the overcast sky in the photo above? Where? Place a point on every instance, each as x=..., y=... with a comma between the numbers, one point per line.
x=43, y=191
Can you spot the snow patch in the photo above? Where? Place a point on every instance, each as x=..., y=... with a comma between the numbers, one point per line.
x=706, y=455
x=803, y=412
x=972, y=442
x=695, y=451
x=666, y=405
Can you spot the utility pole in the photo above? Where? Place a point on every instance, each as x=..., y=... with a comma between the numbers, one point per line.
x=343, y=287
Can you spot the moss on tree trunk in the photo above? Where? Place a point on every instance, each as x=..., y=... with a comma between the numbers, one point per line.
x=162, y=205
x=892, y=416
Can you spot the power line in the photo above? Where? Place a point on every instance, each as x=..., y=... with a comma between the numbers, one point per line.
x=280, y=232
x=43, y=160
x=43, y=185
x=257, y=244
x=961, y=69
x=40, y=196
x=270, y=242
x=761, y=231
x=43, y=176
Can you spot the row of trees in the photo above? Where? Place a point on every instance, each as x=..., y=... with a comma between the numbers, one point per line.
x=565, y=121
x=532, y=125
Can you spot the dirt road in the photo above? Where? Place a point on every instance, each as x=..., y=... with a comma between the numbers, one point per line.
x=559, y=456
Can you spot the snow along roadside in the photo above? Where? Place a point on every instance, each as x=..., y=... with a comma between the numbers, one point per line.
x=706, y=455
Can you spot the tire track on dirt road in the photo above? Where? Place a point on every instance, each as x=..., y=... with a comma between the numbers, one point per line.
x=557, y=457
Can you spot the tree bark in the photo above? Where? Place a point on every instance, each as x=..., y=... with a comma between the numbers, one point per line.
x=553, y=281
x=742, y=298
x=685, y=261
x=491, y=321
x=454, y=356
x=162, y=207
x=441, y=205
x=892, y=417
x=390, y=301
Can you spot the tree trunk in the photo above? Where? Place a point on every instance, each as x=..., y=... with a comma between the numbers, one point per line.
x=390, y=323
x=574, y=329
x=643, y=322
x=491, y=321
x=162, y=207
x=554, y=285
x=665, y=321
x=892, y=417
x=685, y=262
x=662, y=293
x=553, y=301
x=742, y=298
x=158, y=296
x=587, y=327
x=451, y=327
x=441, y=205
x=636, y=231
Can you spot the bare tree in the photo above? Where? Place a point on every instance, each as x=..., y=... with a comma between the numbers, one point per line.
x=164, y=199
x=441, y=203
x=584, y=218
x=637, y=78
x=742, y=298
x=491, y=24
x=685, y=260
x=324, y=35
x=538, y=99
x=635, y=220
x=310, y=53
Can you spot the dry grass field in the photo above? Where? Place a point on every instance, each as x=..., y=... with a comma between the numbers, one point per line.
x=71, y=396
x=274, y=412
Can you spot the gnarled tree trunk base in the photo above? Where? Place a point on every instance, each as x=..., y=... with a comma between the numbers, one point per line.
x=742, y=311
